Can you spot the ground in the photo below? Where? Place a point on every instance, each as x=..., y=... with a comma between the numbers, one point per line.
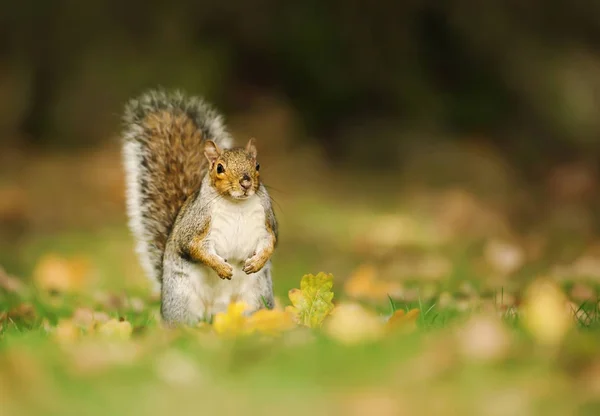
x=441, y=305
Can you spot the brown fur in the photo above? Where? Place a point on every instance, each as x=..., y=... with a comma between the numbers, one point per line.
x=237, y=162
x=258, y=261
x=198, y=252
x=178, y=167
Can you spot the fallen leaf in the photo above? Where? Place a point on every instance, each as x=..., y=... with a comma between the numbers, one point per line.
x=544, y=312
x=88, y=318
x=10, y=283
x=23, y=312
x=233, y=322
x=364, y=284
x=313, y=301
x=351, y=323
x=403, y=321
x=66, y=332
x=582, y=292
x=270, y=321
x=115, y=329
x=54, y=273
x=484, y=338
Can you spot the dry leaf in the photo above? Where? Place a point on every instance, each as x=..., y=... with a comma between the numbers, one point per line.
x=54, y=273
x=87, y=318
x=545, y=312
x=363, y=284
x=10, y=283
x=403, y=321
x=352, y=324
x=271, y=322
x=484, y=338
x=233, y=322
x=115, y=329
x=66, y=332
x=23, y=312
x=313, y=301
x=582, y=292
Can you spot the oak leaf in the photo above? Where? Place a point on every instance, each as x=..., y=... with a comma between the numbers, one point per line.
x=313, y=301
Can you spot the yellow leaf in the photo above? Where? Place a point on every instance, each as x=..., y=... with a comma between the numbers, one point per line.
x=312, y=302
x=115, y=329
x=233, y=322
x=544, y=312
x=54, y=273
x=352, y=324
x=404, y=321
x=270, y=321
x=364, y=284
x=66, y=331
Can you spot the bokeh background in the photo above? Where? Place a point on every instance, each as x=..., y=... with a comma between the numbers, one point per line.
x=386, y=130
x=436, y=157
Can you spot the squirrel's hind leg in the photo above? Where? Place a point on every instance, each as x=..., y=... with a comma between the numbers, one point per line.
x=179, y=300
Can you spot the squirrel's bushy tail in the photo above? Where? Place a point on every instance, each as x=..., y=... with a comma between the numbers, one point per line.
x=164, y=161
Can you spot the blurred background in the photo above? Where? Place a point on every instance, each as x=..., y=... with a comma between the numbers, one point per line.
x=420, y=136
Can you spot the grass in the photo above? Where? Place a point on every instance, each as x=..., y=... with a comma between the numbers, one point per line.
x=423, y=372
x=458, y=360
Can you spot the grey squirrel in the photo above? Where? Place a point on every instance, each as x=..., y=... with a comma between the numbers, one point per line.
x=201, y=217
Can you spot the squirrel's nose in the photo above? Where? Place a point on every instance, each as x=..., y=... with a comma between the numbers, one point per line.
x=245, y=182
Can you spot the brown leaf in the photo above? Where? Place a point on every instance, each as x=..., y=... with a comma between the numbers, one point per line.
x=503, y=256
x=10, y=283
x=582, y=292
x=20, y=313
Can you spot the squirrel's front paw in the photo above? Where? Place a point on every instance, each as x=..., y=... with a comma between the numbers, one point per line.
x=224, y=270
x=253, y=264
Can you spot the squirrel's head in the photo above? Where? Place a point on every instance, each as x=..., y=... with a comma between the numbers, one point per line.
x=233, y=172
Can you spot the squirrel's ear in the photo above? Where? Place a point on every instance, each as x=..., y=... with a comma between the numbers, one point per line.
x=251, y=147
x=211, y=151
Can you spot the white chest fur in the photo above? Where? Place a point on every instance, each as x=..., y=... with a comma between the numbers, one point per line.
x=236, y=227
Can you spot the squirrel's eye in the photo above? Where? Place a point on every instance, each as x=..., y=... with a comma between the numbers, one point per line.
x=258, y=166
x=220, y=168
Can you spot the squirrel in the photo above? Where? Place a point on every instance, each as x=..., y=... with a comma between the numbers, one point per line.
x=203, y=222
